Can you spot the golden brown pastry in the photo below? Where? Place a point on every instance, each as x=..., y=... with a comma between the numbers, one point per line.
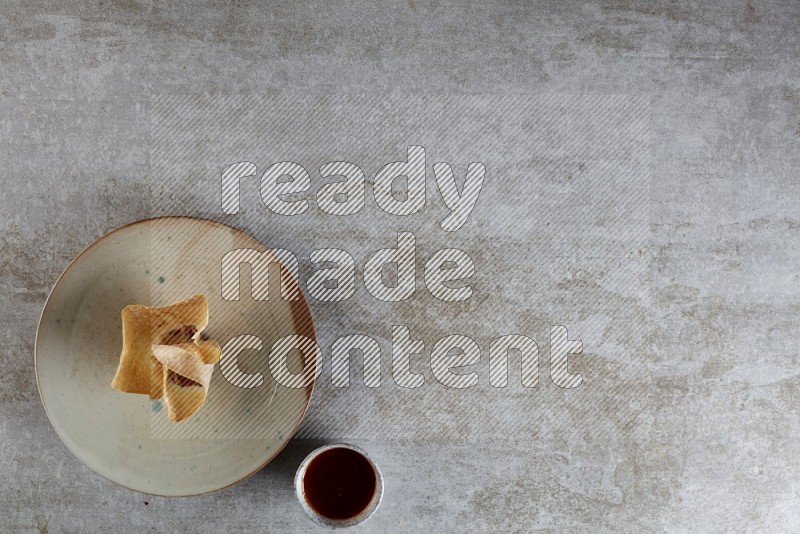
x=162, y=354
x=184, y=378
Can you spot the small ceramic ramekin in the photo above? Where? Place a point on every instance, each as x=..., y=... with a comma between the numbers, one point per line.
x=337, y=523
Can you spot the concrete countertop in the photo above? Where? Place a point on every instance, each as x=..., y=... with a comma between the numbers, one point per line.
x=641, y=190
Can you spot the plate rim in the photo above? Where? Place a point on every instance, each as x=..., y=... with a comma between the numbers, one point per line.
x=303, y=300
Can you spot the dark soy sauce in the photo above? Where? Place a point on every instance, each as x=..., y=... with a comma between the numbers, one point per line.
x=339, y=483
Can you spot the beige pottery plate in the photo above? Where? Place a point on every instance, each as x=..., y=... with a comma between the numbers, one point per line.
x=127, y=438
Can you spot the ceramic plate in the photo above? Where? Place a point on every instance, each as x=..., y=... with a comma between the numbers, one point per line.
x=127, y=438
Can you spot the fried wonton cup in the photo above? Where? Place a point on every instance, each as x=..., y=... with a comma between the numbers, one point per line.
x=162, y=354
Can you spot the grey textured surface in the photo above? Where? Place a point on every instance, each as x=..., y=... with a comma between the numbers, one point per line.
x=710, y=439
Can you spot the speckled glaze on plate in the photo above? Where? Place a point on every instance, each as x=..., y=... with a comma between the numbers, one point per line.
x=157, y=261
